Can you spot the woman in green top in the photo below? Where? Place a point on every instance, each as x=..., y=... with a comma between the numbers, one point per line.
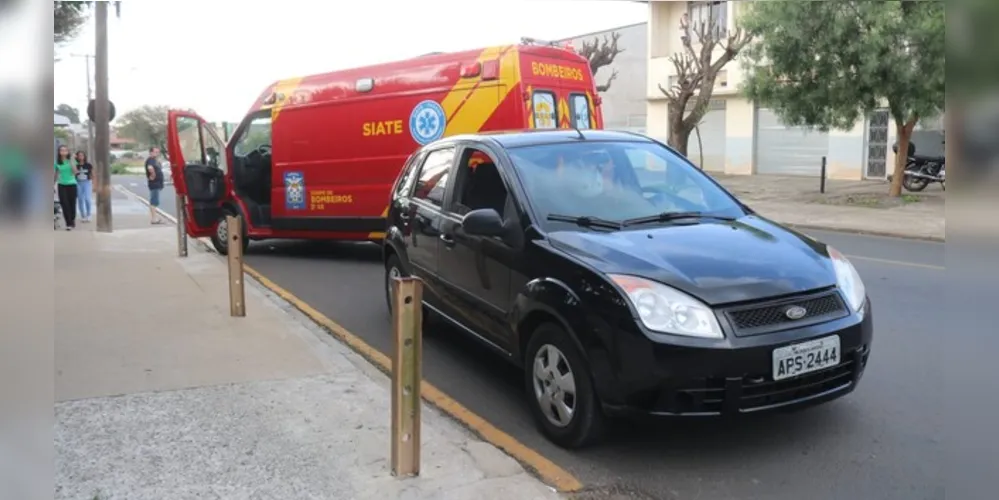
x=65, y=179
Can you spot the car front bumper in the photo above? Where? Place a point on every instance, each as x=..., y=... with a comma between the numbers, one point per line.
x=707, y=378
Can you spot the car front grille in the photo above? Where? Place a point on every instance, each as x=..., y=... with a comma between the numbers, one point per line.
x=758, y=392
x=771, y=316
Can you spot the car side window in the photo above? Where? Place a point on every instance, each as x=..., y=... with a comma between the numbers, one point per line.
x=191, y=145
x=256, y=134
x=432, y=183
x=409, y=172
x=214, y=149
x=478, y=183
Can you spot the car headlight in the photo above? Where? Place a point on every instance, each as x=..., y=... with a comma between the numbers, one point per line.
x=665, y=309
x=848, y=280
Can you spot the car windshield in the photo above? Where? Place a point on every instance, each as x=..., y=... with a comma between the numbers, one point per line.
x=616, y=181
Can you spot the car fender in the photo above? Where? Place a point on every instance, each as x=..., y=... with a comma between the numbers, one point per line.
x=552, y=297
x=394, y=242
x=557, y=300
x=591, y=333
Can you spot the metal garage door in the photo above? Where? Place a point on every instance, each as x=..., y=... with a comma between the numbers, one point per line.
x=787, y=150
x=712, y=129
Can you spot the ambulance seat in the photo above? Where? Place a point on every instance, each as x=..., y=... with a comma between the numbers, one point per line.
x=255, y=177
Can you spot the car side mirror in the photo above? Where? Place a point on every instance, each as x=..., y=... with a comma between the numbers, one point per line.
x=483, y=222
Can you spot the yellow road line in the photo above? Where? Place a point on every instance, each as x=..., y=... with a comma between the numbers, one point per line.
x=547, y=470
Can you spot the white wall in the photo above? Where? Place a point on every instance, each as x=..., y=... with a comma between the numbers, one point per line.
x=624, y=102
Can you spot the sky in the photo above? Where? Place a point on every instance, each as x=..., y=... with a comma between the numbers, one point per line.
x=216, y=56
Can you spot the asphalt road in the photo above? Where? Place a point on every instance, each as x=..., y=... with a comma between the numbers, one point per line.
x=884, y=441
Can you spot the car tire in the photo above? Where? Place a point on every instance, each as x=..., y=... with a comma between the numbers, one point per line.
x=220, y=233
x=393, y=269
x=393, y=262
x=587, y=422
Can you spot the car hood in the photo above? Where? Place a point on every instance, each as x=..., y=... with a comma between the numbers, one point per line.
x=716, y=261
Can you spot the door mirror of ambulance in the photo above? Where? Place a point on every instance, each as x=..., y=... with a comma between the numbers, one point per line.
x=483, y=222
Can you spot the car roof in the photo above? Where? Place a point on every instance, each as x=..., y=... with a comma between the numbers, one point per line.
x=521, y=138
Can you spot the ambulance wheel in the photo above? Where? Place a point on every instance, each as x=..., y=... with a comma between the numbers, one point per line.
x=220, y=236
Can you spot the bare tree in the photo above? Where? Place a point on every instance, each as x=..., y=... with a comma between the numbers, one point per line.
x=600, y=53
x=697, y=67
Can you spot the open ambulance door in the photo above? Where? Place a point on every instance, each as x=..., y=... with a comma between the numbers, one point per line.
x=199, y=167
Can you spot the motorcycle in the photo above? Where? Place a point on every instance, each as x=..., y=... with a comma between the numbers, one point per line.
x=921, y=171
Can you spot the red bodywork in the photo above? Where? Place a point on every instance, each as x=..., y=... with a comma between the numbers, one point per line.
x=339, y=139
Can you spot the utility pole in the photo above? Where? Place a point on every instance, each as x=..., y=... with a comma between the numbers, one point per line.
x=90, y=123
x=90, y=95
x=102, y=145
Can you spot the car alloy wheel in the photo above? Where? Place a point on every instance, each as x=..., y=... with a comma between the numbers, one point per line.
x=554, y=386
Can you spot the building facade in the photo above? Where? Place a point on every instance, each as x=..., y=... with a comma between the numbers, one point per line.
x=739, y=137
x=624, y=103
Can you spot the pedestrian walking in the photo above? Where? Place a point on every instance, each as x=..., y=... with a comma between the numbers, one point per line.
x=154, y=174
x=84, y=186
x=65, y=180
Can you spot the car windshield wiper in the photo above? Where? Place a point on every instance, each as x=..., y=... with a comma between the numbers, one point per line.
x=671, y=216
x=585, y=221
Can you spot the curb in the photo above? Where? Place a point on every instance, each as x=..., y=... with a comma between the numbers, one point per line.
x=864, y=232
x=547, y=471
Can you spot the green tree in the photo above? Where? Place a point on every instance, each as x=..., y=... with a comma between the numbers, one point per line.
x=62, y=134
x=67, y=20
x=69, y=16
x=69, y=112
x=827, y=64
x=147, y=125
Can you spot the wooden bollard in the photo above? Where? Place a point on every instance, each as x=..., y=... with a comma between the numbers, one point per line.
x=181, y=225
x=234, y=233
x=406, y=375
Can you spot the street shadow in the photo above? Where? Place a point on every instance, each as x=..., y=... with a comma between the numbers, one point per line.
x=317, y=249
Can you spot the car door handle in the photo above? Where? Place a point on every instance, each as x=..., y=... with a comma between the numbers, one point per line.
x=447, y=239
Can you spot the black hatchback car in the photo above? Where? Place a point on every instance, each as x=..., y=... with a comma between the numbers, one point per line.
x=623, y=279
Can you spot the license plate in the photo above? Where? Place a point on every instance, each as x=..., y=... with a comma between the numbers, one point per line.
x=806, y=357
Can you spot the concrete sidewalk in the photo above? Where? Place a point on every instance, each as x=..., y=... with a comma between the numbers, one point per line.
x=160, y=394
x=854, y=206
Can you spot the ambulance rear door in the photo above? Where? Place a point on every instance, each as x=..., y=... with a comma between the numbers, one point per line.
x=548, y=77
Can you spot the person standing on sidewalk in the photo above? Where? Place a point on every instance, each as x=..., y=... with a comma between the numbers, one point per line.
x=65, y=179
x=154, y=174
x=84, y=185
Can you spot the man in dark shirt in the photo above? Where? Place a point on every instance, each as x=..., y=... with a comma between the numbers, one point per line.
x=154, y=174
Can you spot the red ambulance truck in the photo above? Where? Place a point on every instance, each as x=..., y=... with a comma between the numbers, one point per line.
x=316, y=157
